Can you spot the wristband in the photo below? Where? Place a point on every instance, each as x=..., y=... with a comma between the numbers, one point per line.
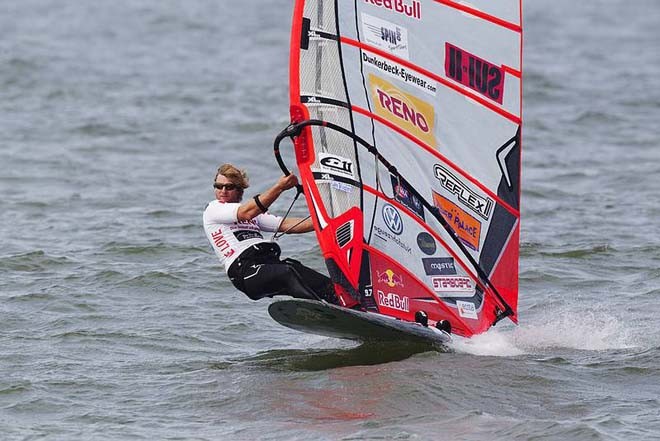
x=259, y=204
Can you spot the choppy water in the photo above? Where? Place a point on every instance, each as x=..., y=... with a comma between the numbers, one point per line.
x=116, y=322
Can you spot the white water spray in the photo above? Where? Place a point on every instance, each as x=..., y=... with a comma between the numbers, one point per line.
x=594, y=330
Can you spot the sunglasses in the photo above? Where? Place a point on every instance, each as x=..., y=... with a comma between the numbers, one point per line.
x=228, y=187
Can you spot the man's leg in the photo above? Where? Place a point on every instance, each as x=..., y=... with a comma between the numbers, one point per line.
x=277, y=278
x=320, y=284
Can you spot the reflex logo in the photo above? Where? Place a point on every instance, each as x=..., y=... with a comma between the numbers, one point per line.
x=474, y=72
x=475, y=202
x=403, y=110
x=392, y=219
x=409, y=8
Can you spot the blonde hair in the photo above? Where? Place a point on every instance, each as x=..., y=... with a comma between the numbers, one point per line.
x=236, y=176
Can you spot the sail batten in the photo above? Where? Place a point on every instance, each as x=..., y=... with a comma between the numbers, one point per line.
x=410, y=115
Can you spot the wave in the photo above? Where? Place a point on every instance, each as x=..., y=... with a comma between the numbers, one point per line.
x=33, y=261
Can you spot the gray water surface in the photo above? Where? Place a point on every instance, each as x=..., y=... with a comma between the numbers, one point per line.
x=117, y=322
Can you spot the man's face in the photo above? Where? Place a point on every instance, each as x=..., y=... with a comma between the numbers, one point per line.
x=226, y=191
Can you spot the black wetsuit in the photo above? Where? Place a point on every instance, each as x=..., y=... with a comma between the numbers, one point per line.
x=259, y=273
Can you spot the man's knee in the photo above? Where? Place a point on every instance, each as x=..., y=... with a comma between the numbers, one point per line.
x=291, y=271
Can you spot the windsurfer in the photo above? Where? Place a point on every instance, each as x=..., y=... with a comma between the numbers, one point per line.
x=253, y=263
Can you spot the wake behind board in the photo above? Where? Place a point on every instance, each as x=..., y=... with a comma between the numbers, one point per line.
x=334, y=321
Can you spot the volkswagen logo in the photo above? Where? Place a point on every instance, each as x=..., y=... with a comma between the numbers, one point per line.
x=392, y=219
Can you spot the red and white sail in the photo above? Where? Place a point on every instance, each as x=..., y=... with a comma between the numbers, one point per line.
x=428, y=219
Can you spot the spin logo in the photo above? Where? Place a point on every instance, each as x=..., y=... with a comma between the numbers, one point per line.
x=392, y=36
x=385, y=35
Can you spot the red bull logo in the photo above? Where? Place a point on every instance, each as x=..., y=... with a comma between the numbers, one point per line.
x=411, y=9
x=390, y=278
x=394, y=301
